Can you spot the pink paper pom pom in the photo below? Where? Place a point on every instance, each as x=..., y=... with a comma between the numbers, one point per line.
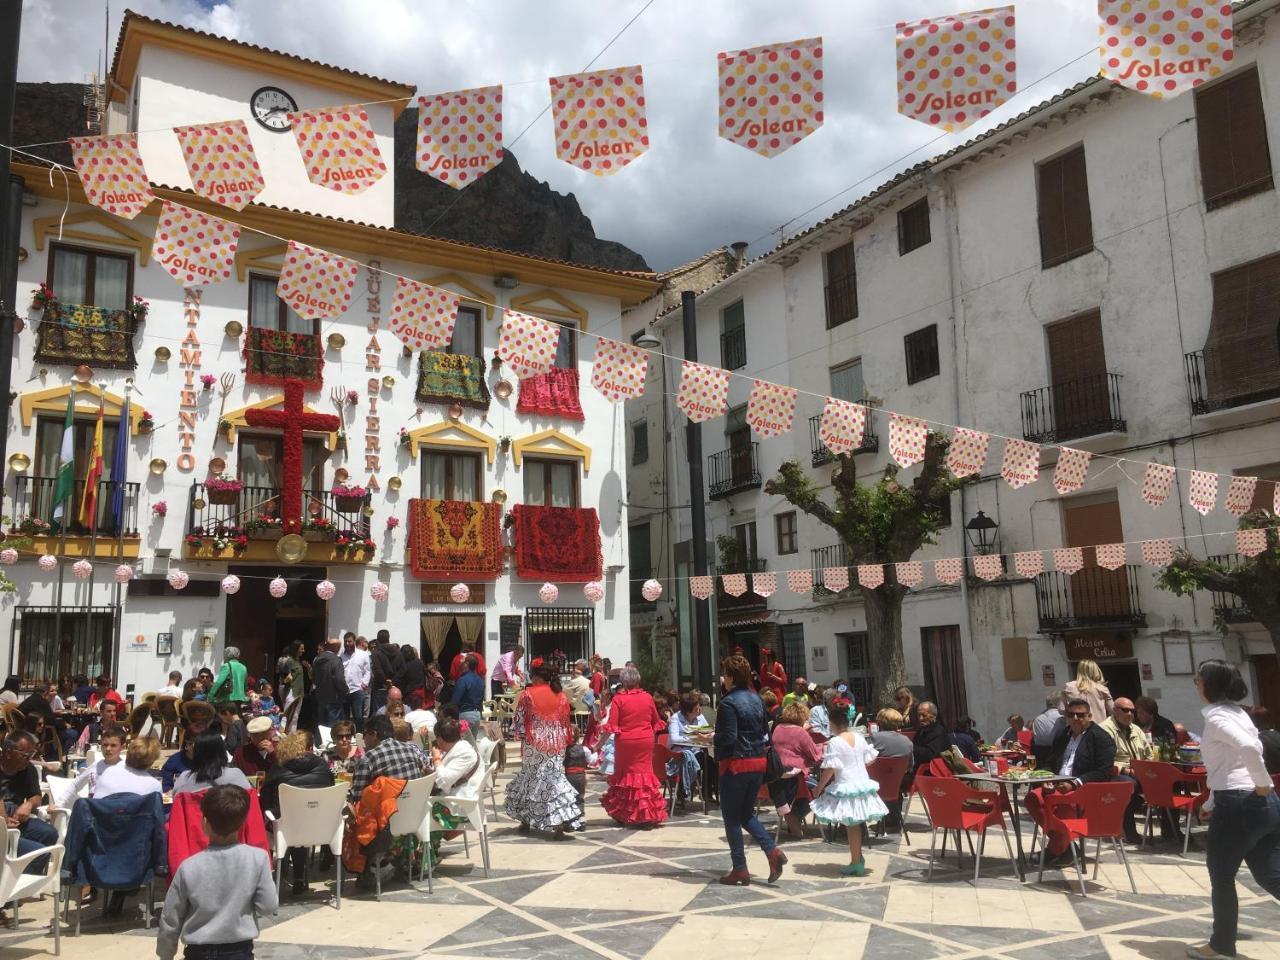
x=123, y=573
x=48, y=562
x=548, y=592
x=379, y=591
x=325, y=589
x=83, y=569
x=278, y=587
x=178, y=579
x=651, y=590
x=459, y=593
x=8, y=556
x=230, y=584
x=593, y=591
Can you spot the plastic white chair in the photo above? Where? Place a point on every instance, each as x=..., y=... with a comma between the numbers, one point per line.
x=412, y=818
x=61, y=799
x=310, y=817
x=16, y=886
x=324, y=738
x=472, y=808
x=487, y=748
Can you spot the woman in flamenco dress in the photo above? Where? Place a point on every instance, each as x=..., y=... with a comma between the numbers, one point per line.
x=540, y=796
x=772, y=674
x=634, y=797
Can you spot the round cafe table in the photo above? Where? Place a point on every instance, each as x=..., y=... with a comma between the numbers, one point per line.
x=1011, y=788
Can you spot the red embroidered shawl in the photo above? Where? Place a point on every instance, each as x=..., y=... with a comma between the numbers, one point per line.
x=557, y=543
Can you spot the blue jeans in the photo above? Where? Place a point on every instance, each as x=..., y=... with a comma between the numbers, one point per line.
x=358, y=706
x=738, y=810
x=377, y=699
x=33, y=835
x=330, y=713
x=1244, y=827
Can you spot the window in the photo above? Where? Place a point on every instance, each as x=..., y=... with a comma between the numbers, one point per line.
x=1081, y=394
x=744, y=536
x=44, y=483
x=793, y=649
x=858, y=670
x=922, y=354
x=268, y=312
x=1242, y=351
x=1231, y=128
x=550, y=631
x=784, y=527
x=447, y=475
x=640, y=560
x=260, y=463
x=842, y=286
x=913, y=226
x=91, y=277
x=567, y=348
x=943, y=504
x=1066, y=226
x=550, y=483
x=737, y=434
x=639, y=442
x=466, y=333
x=733, y=336
x=83, y=649
x=846, y=382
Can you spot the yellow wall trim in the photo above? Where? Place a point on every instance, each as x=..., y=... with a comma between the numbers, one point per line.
x=552, y=443
x=121, y=234
x=81, y=546
x=551, y=305
x=454, y=436
x=467, y=289
x=268, y=258
x=236, y=419
x=88, y=397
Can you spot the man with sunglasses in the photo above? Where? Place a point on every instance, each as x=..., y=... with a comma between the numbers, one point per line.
x=20, y=793
x=1131, y=744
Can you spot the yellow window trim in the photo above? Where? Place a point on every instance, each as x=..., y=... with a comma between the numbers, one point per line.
x=261, y=258
x=436, y=436
x=552, y=305
x=88, y=397
x=122, y=235
x=237, y=419
x=466, y=288
x=551, y=443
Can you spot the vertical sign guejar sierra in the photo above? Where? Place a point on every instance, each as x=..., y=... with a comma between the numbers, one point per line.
x=372, y=364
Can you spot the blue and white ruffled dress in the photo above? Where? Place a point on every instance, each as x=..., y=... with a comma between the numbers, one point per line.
x=851, y=797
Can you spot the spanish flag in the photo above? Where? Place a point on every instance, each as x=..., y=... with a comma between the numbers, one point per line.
x=89, y=498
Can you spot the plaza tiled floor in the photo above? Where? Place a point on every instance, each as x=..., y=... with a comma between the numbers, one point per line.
x=627, y=895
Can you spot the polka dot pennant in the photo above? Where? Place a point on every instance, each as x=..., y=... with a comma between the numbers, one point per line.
x=835, y=579
x=1029, y=563
x=1203, y=495
x=619, y=370
x=988, y=566
x=701, y=587
x=704, y=391
x=949, y=570
x=338, y=148
x=315, y=283
x=527, y=344
x=1068, y=560
x=422, y=316
x=459, y=135
x=764, y=584
x=599, y=119
x=907, y=439
x=1110, y=556
x=771, y=408
x=910, y=573
x=1275, y=500
x=1021, y=464
x=771, y=96
x=1157, y=553
x=1071, y=470
x=1164, y=47
x=1240, y=495
x=842, y=426
x=112, y=173
x=195, y=248
x=1250, y=543
x=870, y=575
x=967, y=452
x=1156, y=482
x=954, y=70
x=221, y=162
x=735, y=584
x=800, y=581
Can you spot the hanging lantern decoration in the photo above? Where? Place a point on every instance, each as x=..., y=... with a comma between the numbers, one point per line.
x=278, y=587
x=230, y=584
x=83, y=569
x=459, y=593
x=48, y=563
x=651, y=590
x=379, y=591
x=325, y=589
x=178, y=579
x=593, y=591
x=123, y=573
x=8, y=556
x=548, y=593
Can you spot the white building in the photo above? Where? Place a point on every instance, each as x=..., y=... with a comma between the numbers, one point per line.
x=1099, y=271
x=484, y=451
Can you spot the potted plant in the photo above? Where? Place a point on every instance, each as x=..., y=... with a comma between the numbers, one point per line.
x=348, y=499
x=146, y=423
x=223, y=490
x=504, y=443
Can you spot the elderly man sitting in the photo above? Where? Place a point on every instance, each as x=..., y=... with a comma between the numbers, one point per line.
x=578, y=686
x=1131, y=744
x=258, y=754
x=932, y=739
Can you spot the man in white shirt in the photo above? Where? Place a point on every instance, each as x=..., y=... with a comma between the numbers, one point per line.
x=174, y=689
x=358, y=669
x=418, y=718
x=578, y=686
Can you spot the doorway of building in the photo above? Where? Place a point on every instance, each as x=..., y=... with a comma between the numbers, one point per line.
x=443, y=633
x=1267, y=671
x=264, y=627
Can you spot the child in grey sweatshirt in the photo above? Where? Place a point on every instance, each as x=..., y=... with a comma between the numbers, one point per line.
x=217, y=895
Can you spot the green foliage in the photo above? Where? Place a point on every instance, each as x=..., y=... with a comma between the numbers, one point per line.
x=652, y=675
x=729, y=552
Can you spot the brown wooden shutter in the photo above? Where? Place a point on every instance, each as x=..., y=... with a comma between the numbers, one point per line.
x=1095, y=591
x=1078, y=371
x=1066, y=224
x=1242, y=352
x=1231, y=129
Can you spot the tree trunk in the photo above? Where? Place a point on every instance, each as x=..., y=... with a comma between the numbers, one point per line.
x=884, y=639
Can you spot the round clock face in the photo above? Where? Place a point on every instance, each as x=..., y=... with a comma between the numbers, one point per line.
x=271, y=107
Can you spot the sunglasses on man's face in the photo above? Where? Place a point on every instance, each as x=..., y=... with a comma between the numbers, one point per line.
x=345, y=736
x=1125, y=709
x=1078, y=716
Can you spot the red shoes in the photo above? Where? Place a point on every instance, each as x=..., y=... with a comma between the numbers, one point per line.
x=737, y=878
x=776, y=861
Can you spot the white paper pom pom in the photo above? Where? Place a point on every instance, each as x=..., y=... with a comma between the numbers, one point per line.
x=178, y=579
x=593, y=591
x=8, y=556
x=651, y=590
x=277, y=587
x=83, y=569
x=325, y=589
x=48, y=562
x=379, y=591
x=230, y=584
x=123, y=573
x=548, y=592
x=459, y=593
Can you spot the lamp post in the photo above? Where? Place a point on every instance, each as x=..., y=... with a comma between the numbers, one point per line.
x=981, y=531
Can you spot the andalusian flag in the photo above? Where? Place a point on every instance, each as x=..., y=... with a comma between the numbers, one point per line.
x=89, y=499
x=66, y=472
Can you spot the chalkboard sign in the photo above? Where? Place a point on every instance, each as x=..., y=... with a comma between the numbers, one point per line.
x=509, y=632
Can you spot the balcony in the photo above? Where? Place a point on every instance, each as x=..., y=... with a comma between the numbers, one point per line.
x=842, y=300
x=823, y=456
x=734, y=470
x=833, y=556
x=273, y=356
x=1227, y=607
x=749, y=601
x=1092, y=598
x=1073, y=409
x=33, y=506
x=1212, y=390
x=246, y=528
x=733, y=348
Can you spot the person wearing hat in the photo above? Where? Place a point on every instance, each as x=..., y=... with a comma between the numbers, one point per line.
x=259, y=754
x=196, y=716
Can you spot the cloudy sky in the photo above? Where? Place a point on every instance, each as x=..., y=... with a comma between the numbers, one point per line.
x=692, y=191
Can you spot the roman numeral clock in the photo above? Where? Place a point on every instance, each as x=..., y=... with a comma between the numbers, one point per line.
x=271, y=107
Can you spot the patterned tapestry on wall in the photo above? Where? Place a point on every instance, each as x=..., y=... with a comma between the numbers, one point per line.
x=73, y=333
x=551, y=394
x=274, y=356
x=560, y=544
x=455, y=540
x=452, y=378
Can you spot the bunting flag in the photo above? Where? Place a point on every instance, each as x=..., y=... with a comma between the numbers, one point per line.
x=771, y=96
x=317, y=284
x=735, y=584
x=619, y=370
x=1029, y=563
x=764, y=584
x=907, y=439
x=1203, y=495
x=954, y=70
x=112, y=174
x=1068, y=560
x=338, y=147
x=1157, y=553
x=835, y=579
x=771, y=408
x=88, y=515
x=422, y=316
x=195, y=248
x=988, y=566
x=1164, y=47
x=1110, y=556
x=1156, y=483
x=1021, y=464
x=701, y=587
x=1071, y=470
x=221, y=162
x=968, y=452
x=843, y=424
x=527, y=344
x=949, y=570
x=870, y=575
x=910, y=573
x=600, y=119
x=1240, y=495
x=704, y=391
x=459, y=135
x=1251, y=542
x=800, y=581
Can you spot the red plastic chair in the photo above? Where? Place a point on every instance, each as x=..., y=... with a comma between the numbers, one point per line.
x=1025, y=737
x=953, y=805
x=889, y=773
x=1159, y=788
x=1092, y=811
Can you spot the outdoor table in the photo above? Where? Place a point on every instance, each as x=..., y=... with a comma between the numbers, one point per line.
x=1010, y=788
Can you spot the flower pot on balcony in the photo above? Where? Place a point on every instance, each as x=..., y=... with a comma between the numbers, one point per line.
x=223, y=498
x=348, y=504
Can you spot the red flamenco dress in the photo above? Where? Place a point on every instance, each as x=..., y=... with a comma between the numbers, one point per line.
x=773, y=676
x=634, y=796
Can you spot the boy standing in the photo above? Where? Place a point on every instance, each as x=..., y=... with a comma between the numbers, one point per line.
x=217, y=895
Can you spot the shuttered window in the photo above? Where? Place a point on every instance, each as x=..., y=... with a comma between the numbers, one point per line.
x=1066, y=226
x=922, y=353
x=1235, y=161
x=913, y=226
x=842, y=286
x=1242, y=353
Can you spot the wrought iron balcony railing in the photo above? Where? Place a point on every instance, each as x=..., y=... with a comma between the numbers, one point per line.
x=254, y=512
x=1227, y=607
x=822, y=558
x=1211, y=390
x=821, y=455
x=1073, y=409
x=1092, y=597
x=33, y=507
x=734, y=470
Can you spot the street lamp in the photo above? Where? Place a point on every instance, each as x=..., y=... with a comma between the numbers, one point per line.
x=981, y=531
x=648, y=341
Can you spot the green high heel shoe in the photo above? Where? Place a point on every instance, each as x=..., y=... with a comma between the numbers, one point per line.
x=858, y=869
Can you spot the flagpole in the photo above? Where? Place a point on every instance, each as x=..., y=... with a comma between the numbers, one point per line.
x=117, y=481
x=68, y=424
x=93, y=535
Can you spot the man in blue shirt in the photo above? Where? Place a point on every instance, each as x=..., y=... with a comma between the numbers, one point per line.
x=468, y=695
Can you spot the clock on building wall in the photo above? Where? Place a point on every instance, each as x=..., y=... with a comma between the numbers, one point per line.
x=271, y=107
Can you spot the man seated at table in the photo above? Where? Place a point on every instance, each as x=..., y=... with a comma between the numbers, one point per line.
x=384, y=756
x=931, y=740
x=1082, y=751
x=258, y=755
x=1010, y=736
x=174, y=688
x=92, y=732
x=1131, y=744
x=103, y=692
x=40, y=704
x=20, y=794
x=1150, y=720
